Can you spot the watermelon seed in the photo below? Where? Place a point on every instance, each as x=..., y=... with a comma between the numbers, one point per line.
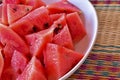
x=20, y=3
x=27, y=9
x=29, y=57
x=3, y=53
x=64, y=11
x=56, y=30
x=34, y=29
x=60, y=26
x=46, y=25
x=19, y=71
x=15, y=9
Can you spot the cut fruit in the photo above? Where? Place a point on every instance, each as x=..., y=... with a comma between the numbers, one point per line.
x=76, y=26
x=22, y=27
x=15, y=11
x=38, y=41
x=62, y=7
x=35, y=3
x=33, y=71
x=55, y=17
x=59, y=60
x=63, y=38
x=35, y=21
x=18, y=62
x=11, y=41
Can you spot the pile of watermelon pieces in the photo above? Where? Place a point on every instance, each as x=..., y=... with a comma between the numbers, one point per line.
x=37, y=40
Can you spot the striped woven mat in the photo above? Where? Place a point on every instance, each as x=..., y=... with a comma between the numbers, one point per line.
x=103, y=62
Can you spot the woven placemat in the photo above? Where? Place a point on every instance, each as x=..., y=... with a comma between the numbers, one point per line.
x=103, y=62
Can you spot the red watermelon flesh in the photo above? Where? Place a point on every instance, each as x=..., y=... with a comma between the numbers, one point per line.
x=34, y=21
x=55, y=17
x=33, y=71
x=59, y=60
x=35, y=3
x=4, y=14
x=40, y=18
x=8, y=74
x=62, y=7
x=22, y=27
x=76, y=26
x=15, y=11
x=18, y=62
x=63, y=38
x=11, y=41
x=0, y=20
x=38, y=41
x=61, y=22
x=4, y=9
x=11, y=1
x=1, y=62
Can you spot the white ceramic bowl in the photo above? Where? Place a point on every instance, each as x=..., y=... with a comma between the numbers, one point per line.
x=91, y=25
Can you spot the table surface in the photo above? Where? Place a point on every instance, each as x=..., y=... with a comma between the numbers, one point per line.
x=103, y=62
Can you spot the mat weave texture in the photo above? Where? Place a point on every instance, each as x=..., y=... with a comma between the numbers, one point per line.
x=103, y=62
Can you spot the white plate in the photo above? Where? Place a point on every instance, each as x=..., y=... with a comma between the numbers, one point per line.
x=91, y=25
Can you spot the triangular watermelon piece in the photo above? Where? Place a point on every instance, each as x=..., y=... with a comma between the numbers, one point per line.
x=54, y=17
x=59, y=60
x=22, y=27
x=11, y=41
x=62, y=7
x=76, y=26
x=64, y=38
x=35, y=3
x=16, y=11
x=34, y=21
x=18, y=62
x=33, y=71
x=4, y=9
x=1, y=63
x=38, y=41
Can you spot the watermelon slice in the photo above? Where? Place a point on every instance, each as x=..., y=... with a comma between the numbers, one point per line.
x=59, y=60
x=18, y=62
x=11, y=41
x=23, y=27
x=34, y=21
x=4, y=9
x=76, y=26
x=1, y=62
x=62, y=7
x=40, y=18
x=63, y=38
x=35, y=3
x=33, y=71
x=15, y=12
x=54, y=17
x=38, y=41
